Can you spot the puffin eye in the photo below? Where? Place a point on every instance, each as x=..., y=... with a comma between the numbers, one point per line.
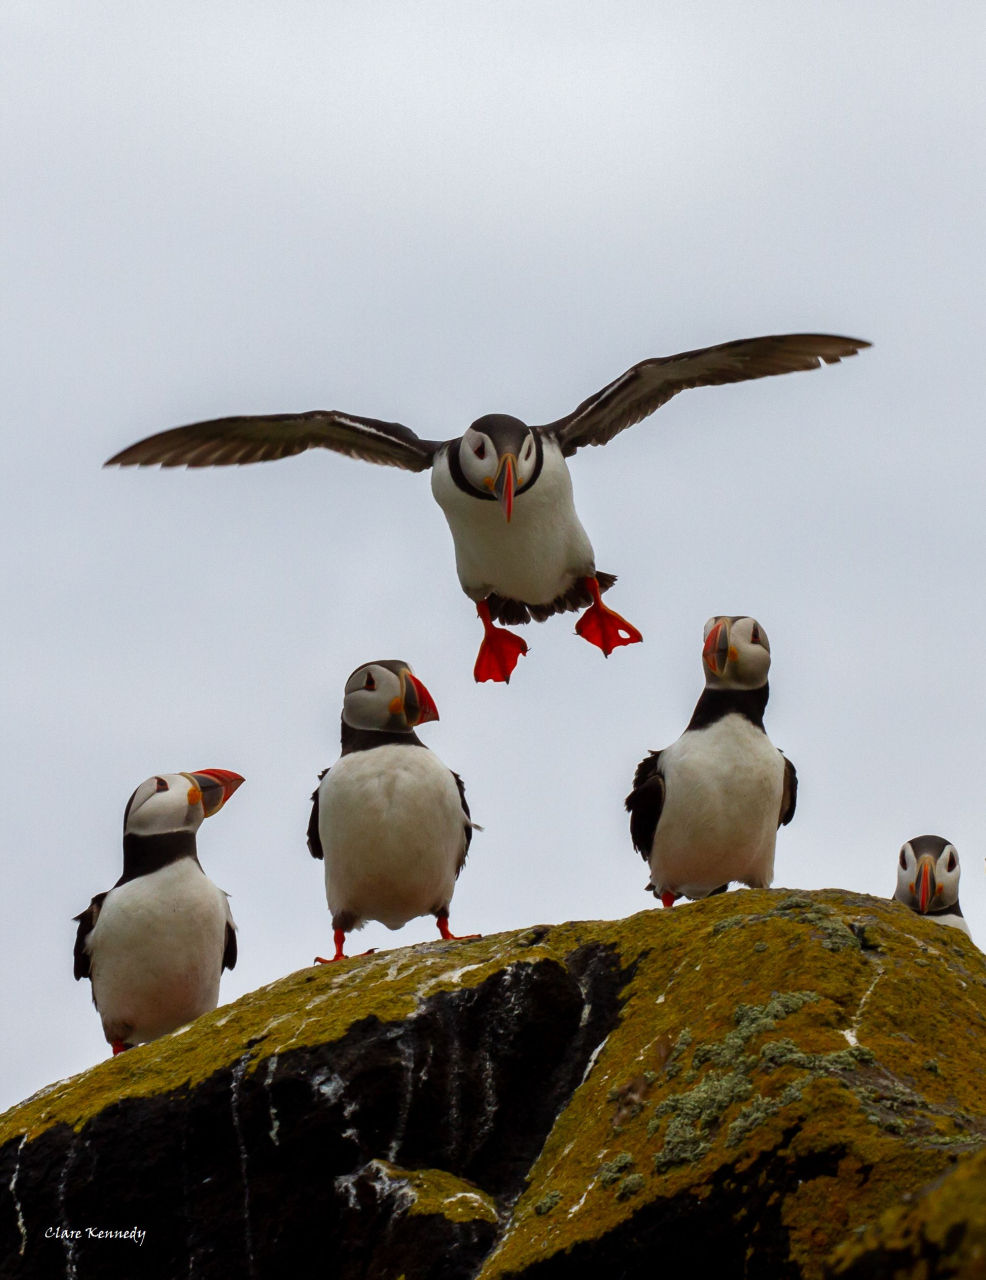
x=161, y=784
x=903, y=860
x=480, y=450
x=755, y=634
x=951, y=864
x=369, y=682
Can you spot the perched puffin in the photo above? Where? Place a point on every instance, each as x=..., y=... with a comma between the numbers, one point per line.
x=389, y=820
x=155, y=945
x=706, y=810
x=504, y=486
x=928, y=880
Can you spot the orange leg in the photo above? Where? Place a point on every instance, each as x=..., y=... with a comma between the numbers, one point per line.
x=602, y=627
x=339, y=938
x=119, y=1047
x=443, y=929
x=499, y=651
x=668, y=899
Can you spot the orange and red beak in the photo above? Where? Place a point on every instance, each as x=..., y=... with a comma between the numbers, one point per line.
x=419, y=705
x=506, y=483
x=216, y=786
x=715, y=651
x=925, y=884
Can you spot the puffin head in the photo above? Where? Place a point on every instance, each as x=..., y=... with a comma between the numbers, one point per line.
x=928, y=874
x=387, y=696
x=171, y=802
x=500, y=456
x=736, y=653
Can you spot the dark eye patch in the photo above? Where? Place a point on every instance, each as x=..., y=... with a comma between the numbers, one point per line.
x=903, y=860
x=480, y=450
x=369, y=682
x=161, y=784
x=950, y=865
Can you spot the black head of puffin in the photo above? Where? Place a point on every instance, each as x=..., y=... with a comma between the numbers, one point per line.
x=499, y=456
x=169, y=802
x=388, y=697
x=928, y=874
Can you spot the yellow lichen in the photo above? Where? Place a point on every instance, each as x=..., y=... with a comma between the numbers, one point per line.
x=436, y=1192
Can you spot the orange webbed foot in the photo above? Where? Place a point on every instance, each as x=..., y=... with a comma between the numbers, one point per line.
x=602, y=626
x=499, y=651
x=443, y=929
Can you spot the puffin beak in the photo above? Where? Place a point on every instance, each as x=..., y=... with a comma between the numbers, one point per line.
x=215, y=786
x=419, y=705
x=505, y=484
x=715, y=651
x=925, y=882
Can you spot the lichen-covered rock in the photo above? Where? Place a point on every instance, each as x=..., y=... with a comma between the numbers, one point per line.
x=939, y=1232
x=739, y=1083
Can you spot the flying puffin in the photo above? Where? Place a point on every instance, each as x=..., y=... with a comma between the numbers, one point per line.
x=389, y=820
x=155, y=945
x=504, y=486
x=928, y=880
x=706, y=810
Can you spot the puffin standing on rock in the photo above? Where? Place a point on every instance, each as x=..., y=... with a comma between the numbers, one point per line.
x=389, y=820
x=928, y=880
x=504, y=486
x=706, y=810
x=155, y=945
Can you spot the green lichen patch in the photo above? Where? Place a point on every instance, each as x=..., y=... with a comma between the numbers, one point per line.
x=613, y=1170
x=435, y=1192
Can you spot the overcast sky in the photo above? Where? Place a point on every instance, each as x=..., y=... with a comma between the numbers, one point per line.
x=425, y=213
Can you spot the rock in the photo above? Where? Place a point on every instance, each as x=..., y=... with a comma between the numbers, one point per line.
x=941, y=1232
x=738, y=1084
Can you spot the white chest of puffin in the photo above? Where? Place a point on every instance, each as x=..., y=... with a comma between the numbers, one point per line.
x=928, y=874
x=504, y=486
x=389, y=819
x=705, y=811
x=155, y=945
x=537, y=557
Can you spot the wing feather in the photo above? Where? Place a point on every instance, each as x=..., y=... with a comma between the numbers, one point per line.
x=646, y=386
x=226, y=442
x=645, y=802
x=789, y=797
x=87, y=922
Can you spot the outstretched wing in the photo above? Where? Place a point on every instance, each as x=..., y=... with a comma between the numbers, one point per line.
x=226, y=442
x=644, y=804
x=638, y=392
x=87, y=922
x=789, y=796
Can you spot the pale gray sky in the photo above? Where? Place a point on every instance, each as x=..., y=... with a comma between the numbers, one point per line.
x=426, y=213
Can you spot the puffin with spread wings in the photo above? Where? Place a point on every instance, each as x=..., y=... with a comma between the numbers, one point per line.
x=504, y=486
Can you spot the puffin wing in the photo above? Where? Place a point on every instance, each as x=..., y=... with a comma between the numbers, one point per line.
x=229, y=946
x=87, y=922
x=226, y=442
x=469, y=824
x=789, y=796
x=641, y=390
x=644, y=804
x=314, y=839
